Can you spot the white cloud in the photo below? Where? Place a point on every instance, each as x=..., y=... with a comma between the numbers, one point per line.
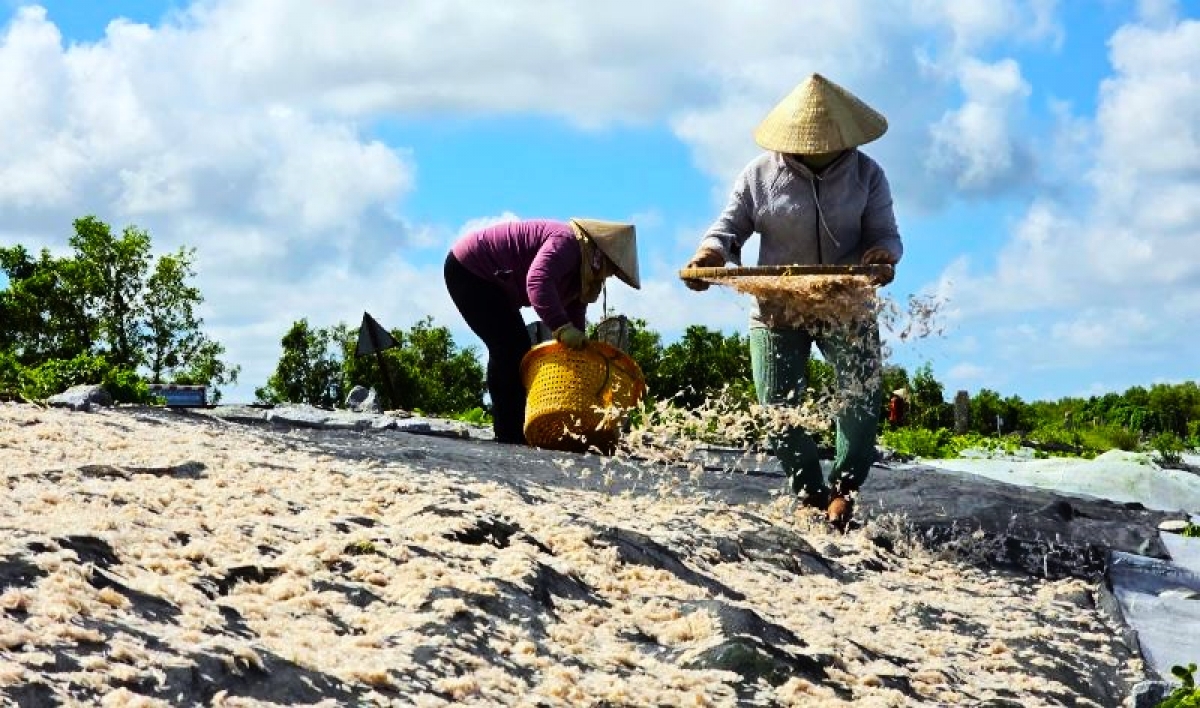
x=670, y=307
x=284, y=207
x=241, y=127
x=483, y=222
x=967, y=372
x=1105, y=264
x=1158, y=12
x=1099, y=331
x=976, y=145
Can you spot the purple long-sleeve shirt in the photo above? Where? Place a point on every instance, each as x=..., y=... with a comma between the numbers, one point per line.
x=535, y=261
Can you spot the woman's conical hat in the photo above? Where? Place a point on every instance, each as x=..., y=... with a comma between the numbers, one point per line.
x=616, y=240
x=818, y=117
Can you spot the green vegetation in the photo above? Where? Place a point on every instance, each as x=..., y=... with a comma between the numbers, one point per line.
x=55, y=375
x=430, y=373
x=310, y=369
x=113, y=313
x=475, y=416
x=427, y=372
x=109, y=313
x=1186, y=695
x=1165, y=419
x=1169, y=448
x=941, y=443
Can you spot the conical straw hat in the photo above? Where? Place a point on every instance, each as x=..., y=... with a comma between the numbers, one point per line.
x=616, y=240
x=819, y=116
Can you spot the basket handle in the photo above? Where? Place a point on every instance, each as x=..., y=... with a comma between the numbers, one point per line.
x=607, y=375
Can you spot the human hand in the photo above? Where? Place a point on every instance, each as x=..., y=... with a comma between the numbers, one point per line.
x=705, y=257
x=571, y=336
x=881, y=257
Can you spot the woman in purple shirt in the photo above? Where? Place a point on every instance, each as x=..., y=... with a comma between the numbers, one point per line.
x=556, y=268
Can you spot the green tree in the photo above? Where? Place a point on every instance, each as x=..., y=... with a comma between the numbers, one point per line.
x=203, y=366
x=43, y=311
x=172, y=336
x=1018, y=418
x=645, y=347
x=986, y=408
x=99, y=302
x=434, y=375
x=114, y=277
x=427, y=371
x=928, y=405
x=309, y=370
x=1170, y=407
x=701, y=363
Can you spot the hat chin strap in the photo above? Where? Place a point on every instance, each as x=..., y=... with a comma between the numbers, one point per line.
x=820, y=160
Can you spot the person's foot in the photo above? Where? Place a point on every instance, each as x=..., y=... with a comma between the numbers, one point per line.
x=818, y=499
x=840, y=511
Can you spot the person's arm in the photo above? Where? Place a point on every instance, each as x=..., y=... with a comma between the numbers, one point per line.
x=558, y=258
x=577, y=314
x=881, y=243
x=735, y=224
x=723, y=241
x=879, y=230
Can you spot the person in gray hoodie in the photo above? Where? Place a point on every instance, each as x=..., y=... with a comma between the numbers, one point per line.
x=814, y=198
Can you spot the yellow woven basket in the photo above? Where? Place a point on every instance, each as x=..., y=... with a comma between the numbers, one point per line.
x=576, y=397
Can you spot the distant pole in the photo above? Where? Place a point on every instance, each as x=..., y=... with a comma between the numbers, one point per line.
x=374, y=339
x=962, y=412
x=383, y=372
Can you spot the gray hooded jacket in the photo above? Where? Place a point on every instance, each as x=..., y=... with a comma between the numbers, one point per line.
x=807, y=219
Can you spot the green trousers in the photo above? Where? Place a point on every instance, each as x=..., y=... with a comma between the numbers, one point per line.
x=779, y=360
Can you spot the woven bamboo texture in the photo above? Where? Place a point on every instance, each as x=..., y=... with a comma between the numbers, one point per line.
x=576, y=398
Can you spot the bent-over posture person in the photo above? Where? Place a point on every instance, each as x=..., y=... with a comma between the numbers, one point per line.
x=814, y=198
x=556, y=267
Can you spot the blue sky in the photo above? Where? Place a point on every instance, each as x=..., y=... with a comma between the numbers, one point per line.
x=321, y=156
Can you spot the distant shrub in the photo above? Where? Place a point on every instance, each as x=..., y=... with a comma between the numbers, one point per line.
x=1169, y=448
x=10, y=374
x=1191, y=530
x=475, y=416
x=1187, y=695
x=921, y=442
x=1056, y=436
x=941, y=443
x=57, y=375
x=1007, y=445
x=1103, y=438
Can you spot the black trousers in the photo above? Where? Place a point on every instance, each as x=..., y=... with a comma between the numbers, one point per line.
x=490, y=315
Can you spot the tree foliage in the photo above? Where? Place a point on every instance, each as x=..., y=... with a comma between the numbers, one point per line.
x=427, y=372
x=110, y=300
x=309, y=370
x=43, y=312
x=701, y=363
x=113, y=271
x=928, y=403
